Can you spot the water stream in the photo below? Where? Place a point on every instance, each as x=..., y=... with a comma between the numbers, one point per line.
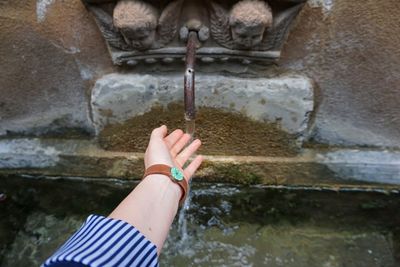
x=182, y=220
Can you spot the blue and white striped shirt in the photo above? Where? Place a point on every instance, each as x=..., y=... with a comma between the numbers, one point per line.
x=103, y=242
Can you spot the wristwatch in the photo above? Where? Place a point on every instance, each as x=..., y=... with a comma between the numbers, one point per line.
x=173, y=173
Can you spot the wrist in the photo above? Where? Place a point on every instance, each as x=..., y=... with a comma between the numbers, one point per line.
x=174, y=175
x=163, y=181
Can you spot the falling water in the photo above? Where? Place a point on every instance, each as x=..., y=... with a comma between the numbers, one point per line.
x=182, y=220
x=190, y=127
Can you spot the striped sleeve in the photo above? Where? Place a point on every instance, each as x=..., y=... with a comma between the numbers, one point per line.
x=107, y=242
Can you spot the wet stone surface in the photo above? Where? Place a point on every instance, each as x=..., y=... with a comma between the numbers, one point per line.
x=222, y=133
x=226, y=225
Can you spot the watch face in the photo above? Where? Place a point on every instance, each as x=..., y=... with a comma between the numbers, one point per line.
x=177, y=174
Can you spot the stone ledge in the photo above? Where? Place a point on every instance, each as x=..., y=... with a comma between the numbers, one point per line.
x=83, y=158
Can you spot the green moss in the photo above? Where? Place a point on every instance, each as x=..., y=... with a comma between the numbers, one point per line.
x=221, y=132
x=230, y=173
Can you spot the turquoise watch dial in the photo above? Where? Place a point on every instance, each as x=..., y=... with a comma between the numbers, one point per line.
x=177, y=174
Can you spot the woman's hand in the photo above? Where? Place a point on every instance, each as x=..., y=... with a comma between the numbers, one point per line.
x=172, y=150
x=151, y=207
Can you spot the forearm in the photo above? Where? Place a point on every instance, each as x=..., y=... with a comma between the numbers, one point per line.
x=151, y=207
x=136, y=230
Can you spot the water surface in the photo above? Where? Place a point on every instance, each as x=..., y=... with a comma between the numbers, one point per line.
x=227, y=225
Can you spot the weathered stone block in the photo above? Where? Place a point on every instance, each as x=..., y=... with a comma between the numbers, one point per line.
x=287, y=100
x=364, y=165
x=27, y=153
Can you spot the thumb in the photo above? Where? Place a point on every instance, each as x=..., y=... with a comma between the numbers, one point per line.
x=159, y=133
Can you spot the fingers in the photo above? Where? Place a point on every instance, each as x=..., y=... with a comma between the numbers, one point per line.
x=180, y=144
x=173, y=137
x=159, y=133
x=193, y=166
x=188, y=152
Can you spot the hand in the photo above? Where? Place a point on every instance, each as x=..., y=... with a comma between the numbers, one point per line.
x=167, y=149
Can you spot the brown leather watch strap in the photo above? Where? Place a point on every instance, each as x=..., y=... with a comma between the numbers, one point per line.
x=166, y=170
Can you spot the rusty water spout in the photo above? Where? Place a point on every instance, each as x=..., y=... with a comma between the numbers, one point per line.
x=189, y=78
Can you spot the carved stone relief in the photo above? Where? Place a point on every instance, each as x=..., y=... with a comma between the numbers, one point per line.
x=156, y=31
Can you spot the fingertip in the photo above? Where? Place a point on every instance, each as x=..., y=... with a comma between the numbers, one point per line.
x=194, y=165
x=160, y=131
x=186, y=137
x=164, y=131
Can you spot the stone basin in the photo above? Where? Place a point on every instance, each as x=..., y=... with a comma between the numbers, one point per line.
x=227, y=225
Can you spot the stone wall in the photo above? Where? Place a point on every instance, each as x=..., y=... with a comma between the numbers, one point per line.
x=352, y=50
x=52, y=53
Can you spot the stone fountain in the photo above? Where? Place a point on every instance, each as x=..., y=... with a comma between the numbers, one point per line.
x=233, y=37
x=292, y=96
x=255, y=117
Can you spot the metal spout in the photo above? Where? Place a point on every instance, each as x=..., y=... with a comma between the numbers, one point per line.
x=189, y=77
